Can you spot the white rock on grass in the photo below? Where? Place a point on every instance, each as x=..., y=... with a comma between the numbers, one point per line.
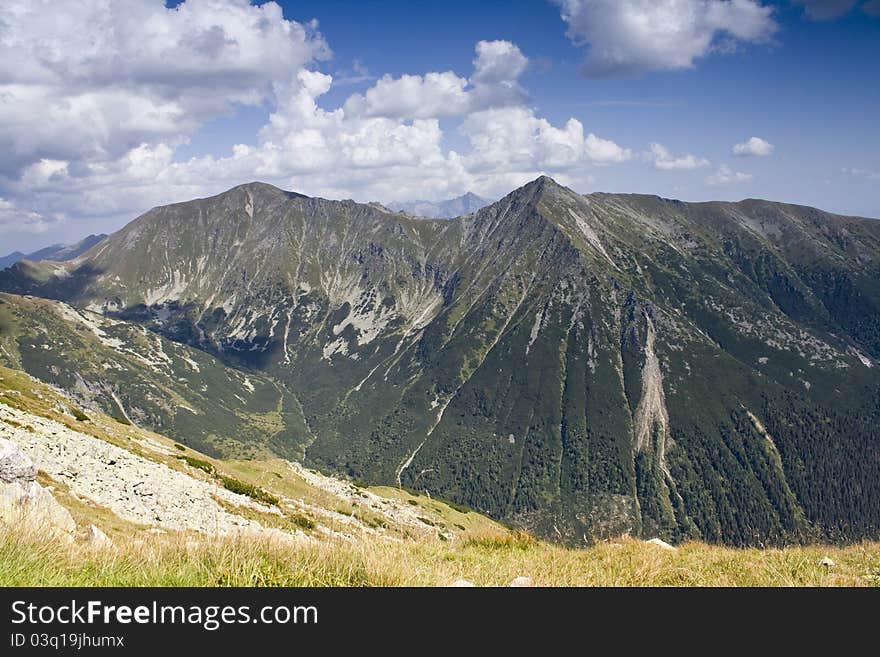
x=662, y=544
x=521, y=582
x=827, y=562
x=97, y=538
x=462, y=583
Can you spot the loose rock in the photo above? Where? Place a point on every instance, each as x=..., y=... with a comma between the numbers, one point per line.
x=520, y=582
x=97, y=538
x=662, y=544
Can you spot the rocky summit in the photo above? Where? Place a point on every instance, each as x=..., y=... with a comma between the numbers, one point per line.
x=582, y=366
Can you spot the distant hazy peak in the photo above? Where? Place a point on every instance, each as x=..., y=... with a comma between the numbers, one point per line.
x=447, y=209
x=56, y=252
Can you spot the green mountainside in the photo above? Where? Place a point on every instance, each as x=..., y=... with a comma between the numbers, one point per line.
x=139, y=377
x=582, y=366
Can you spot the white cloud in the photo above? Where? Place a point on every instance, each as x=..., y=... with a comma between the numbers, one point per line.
x=83, y=80
x=725, y=175
x=862, y=173
x=15, y=220
x=498, y=62
x=96, y=133
x=753, y=146
x=494, y=83
x=514, y=137
x=497, y=68
x=605, y=151
x=328, y=152
x=634, y=36
x=664, y=160
x=413, y=96
x=825, y=10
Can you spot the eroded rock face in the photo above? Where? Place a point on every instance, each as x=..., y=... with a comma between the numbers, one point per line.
x=22, y=499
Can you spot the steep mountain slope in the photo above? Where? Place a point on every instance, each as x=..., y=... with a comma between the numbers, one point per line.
x=448, y=209
x=139, y=377
x=133, y=483
x=56, y=252
x=582, y=366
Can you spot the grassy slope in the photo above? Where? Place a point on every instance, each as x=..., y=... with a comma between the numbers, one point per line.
x=28, y=559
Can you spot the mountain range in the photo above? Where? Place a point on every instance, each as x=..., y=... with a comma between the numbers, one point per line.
x=448, y=209
x=578, y=365
x=56, y=252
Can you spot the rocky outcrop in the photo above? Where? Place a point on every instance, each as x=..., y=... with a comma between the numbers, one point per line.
x=663, y=545
x=131, y=486
x=22, y=499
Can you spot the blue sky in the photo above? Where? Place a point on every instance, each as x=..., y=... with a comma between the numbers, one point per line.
x=622, y=95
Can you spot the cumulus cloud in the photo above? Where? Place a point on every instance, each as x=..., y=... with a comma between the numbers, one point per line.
x=753, y=146
x=339, y=152
x=97, y=133
x=627, y=37
x=605, y=151
x=494, y=83
x=515, y=137
x=665, y=161
x=725, y=175
x=413, y=96
x=14, y=219
x=84, y=80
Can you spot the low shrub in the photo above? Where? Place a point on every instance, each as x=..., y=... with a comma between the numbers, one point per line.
x=254, y=492
x=199, y=464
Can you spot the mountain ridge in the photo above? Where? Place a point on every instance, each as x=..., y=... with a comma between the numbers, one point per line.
x=467, y=203
x=580, y=365
x=55, y=252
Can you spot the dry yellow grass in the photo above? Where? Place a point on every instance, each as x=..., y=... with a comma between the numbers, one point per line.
x=28, y=558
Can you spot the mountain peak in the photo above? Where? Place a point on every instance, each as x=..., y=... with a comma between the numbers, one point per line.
x=544, y=184
x=545, y=181
x=257, y=187
x=541, y=188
